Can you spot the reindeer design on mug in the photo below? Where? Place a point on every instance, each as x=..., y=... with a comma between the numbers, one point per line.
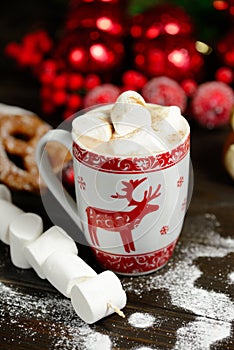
x=123, y=222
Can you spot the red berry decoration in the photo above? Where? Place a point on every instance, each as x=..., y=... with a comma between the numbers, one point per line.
x=133, y=79
x=226, y=49
x=91, y=81
x=106, y=93
x=212, y=104
x=225, y=74
x=75, y=81
x=189, y=86
x=165, y=91
x=30, y=52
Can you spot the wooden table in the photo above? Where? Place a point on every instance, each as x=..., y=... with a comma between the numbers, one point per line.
x=187, y=305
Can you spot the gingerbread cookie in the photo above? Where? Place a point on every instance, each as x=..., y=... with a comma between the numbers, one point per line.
x=20, y=131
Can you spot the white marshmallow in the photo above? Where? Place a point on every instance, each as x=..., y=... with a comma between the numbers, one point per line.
x=129, y=113
x=23, y=230
x=54, y=239
x=174, y=118
x=166, y=119
x=131, y=96
x=140, y=142
x=92, y=299
x=8, y=212
x=94, y=125
x=63, y=270
x=5, y=193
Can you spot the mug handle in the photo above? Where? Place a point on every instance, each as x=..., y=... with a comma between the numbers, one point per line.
x=55, y=186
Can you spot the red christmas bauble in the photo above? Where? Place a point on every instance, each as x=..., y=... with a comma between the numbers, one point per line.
x=225, y=74
x=108, y=18
x=212, y=104
x=160, y=20
x=172, y=56
x=90, y=51
x=164, y=91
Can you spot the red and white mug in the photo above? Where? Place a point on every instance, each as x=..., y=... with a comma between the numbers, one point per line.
x=130, y=209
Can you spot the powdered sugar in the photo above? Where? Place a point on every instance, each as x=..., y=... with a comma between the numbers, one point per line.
x=143, y=348
x=231, y=277
x=65, y=329
x=214, y=310
x=141, y=320
x=200, y=333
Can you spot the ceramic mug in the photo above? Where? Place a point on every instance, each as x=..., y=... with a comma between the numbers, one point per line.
x=130, y=209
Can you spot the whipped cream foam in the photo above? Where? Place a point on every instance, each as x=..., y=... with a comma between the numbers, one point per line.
x=130, y=127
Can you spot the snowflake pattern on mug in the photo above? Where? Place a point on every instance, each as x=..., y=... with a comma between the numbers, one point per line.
x=164, y=230
x=81, y=183
x=180, y=181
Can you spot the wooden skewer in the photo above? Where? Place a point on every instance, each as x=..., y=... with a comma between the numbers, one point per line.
x=116, y=309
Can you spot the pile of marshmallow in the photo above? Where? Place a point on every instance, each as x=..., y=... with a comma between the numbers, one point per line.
x=127, y=127
x=53, y=256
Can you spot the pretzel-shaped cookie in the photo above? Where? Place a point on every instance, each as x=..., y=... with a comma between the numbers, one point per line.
x=19, y=135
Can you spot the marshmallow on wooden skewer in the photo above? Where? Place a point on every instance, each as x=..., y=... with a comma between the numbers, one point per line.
x=54, y=239
x=5, y=193
x=8, y=212
x=98, y=297
x=23, y=230
x=63, y=270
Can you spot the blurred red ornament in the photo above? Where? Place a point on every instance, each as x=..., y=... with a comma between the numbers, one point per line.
x=160, y=20
x=189, y=86
x=133, y=79
x=109, y=18
x=59, y=97
x=47, y=71
x=231, y=7
x=90, y=51
x=220, y=5
x=75, y=81
x=74, y=102
x=91, y=81
x=30, y=52
x=212, y=104
x=164, y=91
x=225, y=49
x=106, y=93
x=60, y=81
x=172, y=56
x=68, y=175
x=225, y=74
